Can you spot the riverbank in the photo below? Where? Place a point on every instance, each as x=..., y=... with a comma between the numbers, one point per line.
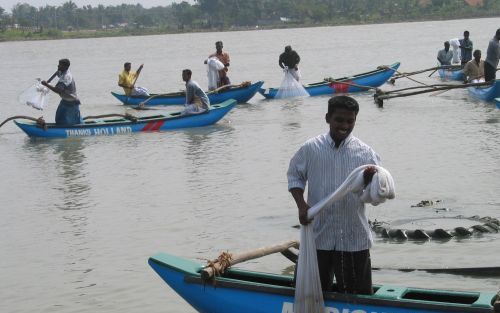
x=54, y=34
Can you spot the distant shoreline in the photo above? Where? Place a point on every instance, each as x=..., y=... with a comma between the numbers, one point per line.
x=11, y=35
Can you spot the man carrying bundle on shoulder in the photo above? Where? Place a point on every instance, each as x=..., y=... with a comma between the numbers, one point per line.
x=127, y=80
x=223, y=57
x=290, y=59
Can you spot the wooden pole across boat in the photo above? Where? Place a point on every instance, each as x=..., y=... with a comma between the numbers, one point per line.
x=226, y=260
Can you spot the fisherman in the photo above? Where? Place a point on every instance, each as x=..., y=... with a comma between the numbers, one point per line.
x=444, y=56
x=474, y=69
x=223, y=57
x=127, y=79
x=196, y=99
x=343, y=235
x=290, y=59
x=68, y=111
x=492, y=57
x=466, y=49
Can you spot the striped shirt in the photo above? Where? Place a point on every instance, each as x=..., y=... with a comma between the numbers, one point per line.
x=343, y=226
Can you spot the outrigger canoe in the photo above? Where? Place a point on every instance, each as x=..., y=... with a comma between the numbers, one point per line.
x=349, y=84
x=451, y=74
x=241, y=93
x=488, y=93
x=115, y=126
x=243, y=291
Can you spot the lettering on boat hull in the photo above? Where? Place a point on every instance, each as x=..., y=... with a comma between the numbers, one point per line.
x=83, y=132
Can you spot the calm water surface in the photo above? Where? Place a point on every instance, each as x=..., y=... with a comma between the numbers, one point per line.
x=79, y=218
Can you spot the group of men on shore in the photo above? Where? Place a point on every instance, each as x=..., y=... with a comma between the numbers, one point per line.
x=474, y=69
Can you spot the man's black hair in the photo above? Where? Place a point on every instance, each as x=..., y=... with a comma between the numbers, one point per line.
x=126, y=63
x=64, y=62
x=342, y=102
x=187, y=71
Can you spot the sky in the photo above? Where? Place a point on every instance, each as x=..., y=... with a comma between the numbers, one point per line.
x=8, y=4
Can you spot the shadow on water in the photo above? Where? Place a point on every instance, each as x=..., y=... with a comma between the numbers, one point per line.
x=65, y=162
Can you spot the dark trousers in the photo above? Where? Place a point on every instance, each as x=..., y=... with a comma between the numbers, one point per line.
x=352, y=271
x=490, y=72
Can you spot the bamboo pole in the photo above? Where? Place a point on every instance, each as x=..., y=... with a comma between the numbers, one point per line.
x=226, y=260
x=380, y=97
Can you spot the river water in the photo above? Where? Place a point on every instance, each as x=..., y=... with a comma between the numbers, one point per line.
x=79, y=218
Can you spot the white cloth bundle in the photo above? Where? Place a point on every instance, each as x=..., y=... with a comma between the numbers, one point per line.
x=36, y=96
x=290, y=87
x=308, y=293
x=455, y=45
x=213, y=68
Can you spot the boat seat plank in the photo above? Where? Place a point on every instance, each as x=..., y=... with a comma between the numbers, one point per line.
x=390, y=292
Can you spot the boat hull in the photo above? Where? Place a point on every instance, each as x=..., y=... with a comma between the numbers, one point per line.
x=497, y=102
x=343, y=85
x=487, y=93
x=457, y=75
x=240, y=94
x=252, y=292
x=118, y=126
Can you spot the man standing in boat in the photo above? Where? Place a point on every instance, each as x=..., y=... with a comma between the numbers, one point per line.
x=196, y=99
x=492, y=57
x=465, y=49
x=223, y=57
x=444, y=56
x=342, y=233
x=127, y=80
x=474, y=69
x=290, y=59
x=68, y=111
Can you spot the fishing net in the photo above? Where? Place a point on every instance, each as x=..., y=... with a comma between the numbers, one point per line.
x=290, y=87
x=308, y=293
x=36, y=96
x=213, y=68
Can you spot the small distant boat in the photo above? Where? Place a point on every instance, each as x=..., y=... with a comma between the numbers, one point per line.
x=497, y=102
x=122, y=125
x=349, y=84
x=451, y=74
x=241, y=93
x=244, y=291
x=488, y=93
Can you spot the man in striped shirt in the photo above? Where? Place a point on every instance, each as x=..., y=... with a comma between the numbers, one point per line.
x=343, y=235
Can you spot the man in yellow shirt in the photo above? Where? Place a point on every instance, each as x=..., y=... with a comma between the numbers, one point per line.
x=474, y=69
x=127, y=80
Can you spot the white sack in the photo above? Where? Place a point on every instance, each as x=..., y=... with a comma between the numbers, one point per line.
x=36, y=96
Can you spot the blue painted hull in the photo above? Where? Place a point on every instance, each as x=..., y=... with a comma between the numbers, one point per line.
x=370, y=79
x=497, y=102
x=457, y=75
x=487, y=93
x=240, y=94
x=117, y=126
x=244, y=291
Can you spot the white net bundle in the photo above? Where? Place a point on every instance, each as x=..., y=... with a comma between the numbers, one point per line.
x=36, y=96
x=213, y=68
x=308, y=293
x=290, y=87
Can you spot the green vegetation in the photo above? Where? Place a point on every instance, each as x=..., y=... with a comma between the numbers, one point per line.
x=70, y=21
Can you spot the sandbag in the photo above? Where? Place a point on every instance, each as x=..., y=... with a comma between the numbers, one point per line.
x=36, y=96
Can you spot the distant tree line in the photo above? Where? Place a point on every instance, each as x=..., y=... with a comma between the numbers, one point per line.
x=224, y=14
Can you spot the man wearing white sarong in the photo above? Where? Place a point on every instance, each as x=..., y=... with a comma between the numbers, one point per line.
x=343, y=235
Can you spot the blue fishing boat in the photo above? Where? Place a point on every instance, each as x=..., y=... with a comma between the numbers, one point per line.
x=241, y=93
x=129, y=124
x=451, y=74
x=355, y=83
x=244, y=291
x=487, y=93
x=497, y=102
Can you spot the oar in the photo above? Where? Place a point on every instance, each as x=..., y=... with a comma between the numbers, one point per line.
x=469, y=271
